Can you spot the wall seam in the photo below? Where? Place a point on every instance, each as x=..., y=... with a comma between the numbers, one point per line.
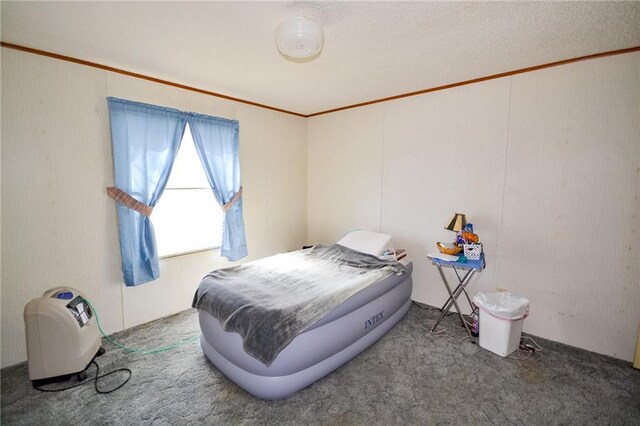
x=120, y=286
x=504, y=178
x=382, y=168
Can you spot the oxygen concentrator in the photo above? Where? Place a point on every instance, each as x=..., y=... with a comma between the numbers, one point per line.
x=62, y=335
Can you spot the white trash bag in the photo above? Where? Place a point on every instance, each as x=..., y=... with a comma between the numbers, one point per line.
x=503, y=305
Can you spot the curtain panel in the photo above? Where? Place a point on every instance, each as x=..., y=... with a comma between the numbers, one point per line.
x=217, y=144
x=146, y=139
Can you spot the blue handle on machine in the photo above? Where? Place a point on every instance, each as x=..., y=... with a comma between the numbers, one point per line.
x=65, y=295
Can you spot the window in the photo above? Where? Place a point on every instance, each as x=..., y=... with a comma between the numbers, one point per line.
x=145, y=144
x=187, y=218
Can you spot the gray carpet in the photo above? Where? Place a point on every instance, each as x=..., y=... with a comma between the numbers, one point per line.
x=410, y=376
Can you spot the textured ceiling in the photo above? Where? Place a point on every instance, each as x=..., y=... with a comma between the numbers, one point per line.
x=372, y=49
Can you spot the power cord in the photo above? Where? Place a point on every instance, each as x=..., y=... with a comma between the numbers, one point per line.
x=94, y=380
x=534, y=346
x=527, y=350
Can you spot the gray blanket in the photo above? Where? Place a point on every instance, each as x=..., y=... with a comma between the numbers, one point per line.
x=270, y=301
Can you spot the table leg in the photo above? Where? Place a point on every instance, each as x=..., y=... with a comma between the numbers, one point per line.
x=460, y=288
x=465, y=280
x=453, y=300
x=464, y=283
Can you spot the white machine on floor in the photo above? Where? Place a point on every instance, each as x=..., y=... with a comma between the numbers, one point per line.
x=62, y=335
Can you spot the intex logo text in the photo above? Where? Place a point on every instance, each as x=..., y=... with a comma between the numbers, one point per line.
x=373, y=320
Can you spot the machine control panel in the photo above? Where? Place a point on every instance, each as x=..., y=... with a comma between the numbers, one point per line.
x=80, y=310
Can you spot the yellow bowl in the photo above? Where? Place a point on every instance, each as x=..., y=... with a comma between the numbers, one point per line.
x=448, y=248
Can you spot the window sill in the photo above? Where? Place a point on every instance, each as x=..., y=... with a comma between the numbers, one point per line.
x=186, y=253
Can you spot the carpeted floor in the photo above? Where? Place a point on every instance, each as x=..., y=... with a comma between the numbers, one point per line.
x=409, y=377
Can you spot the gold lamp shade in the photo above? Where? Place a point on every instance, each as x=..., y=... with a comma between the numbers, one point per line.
x=457, y=223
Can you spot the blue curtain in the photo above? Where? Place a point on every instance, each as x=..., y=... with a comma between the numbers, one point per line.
x=217, y=144
x=145, y=141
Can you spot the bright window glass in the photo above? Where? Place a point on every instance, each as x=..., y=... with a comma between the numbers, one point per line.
x=187, y=218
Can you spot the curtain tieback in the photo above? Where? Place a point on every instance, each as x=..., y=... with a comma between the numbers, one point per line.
x=232, y=201
x=128, y=201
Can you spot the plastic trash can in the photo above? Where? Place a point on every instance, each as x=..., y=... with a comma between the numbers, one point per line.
x=501, y=318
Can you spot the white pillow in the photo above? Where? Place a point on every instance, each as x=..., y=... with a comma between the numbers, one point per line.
x=366, y=242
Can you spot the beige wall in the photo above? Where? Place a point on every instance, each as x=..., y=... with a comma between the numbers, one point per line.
x=345, y=173
x=545, y=164
x=60, y=228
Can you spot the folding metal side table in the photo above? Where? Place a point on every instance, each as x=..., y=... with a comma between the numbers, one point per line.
x=471, y=267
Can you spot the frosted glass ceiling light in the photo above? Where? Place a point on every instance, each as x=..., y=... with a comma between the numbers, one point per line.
x=299, y=38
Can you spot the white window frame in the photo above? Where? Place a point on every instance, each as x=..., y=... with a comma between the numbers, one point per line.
x=186, y=175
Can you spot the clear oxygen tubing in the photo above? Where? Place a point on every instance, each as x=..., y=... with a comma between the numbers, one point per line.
x=135, y=350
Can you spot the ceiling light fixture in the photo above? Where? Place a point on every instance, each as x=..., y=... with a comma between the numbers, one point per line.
x=299, y=38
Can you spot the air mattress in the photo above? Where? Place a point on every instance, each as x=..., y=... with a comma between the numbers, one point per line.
x=334, y=340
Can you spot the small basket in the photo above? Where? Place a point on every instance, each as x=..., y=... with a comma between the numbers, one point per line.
x=472, y=251
x=450, y=249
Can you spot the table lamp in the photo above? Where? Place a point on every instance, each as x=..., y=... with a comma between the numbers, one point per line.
x=457, y=223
